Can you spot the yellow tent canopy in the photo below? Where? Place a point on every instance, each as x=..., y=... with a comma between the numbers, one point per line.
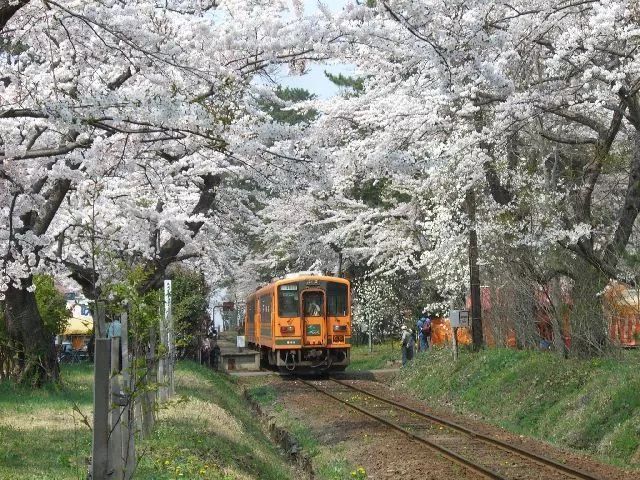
x=78, y=326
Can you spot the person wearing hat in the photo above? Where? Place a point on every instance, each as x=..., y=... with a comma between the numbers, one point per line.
x=408, y=343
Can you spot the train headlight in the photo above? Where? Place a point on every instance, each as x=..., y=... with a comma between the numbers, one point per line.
x=287, y=329
x=339, y=328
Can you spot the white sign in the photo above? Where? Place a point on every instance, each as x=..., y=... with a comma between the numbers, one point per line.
x=240, y=341
x=167, y=299
x=459, y=318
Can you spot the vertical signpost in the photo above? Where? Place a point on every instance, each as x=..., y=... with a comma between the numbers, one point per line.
x=168, y=340
x=457, y=318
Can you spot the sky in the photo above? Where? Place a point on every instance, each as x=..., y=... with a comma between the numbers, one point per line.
x=314, y=79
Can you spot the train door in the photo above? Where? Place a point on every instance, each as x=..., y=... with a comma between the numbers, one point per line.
x=314, y=332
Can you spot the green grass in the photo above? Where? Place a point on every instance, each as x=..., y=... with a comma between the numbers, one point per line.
x=589, y=405
x=383, y=353
x=209, y=433
x=43, y=421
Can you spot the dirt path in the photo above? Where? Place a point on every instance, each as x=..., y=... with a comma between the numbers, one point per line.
x=387, y=454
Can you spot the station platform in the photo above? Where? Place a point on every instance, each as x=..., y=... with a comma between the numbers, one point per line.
x=233, y=358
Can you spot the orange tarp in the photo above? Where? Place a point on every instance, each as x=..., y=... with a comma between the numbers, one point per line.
x=622, y=305
x=441, y=332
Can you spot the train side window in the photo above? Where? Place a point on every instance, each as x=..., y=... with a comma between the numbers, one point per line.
x=288, y=300
x=337, y=299
x=251, y=310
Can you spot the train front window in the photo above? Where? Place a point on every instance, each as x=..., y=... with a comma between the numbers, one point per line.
x=337, y=299
x=288, y=300
x=313, y=304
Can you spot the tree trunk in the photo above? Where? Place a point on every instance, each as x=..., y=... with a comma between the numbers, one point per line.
x=8, y=8
x=37, y=356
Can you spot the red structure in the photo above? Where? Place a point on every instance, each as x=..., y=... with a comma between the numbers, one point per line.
x=621, y=308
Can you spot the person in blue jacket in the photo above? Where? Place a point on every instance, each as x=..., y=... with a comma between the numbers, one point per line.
x=424, y=332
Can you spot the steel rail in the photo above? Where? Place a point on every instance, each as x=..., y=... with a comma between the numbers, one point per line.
x=541, y=459
x=440, y=449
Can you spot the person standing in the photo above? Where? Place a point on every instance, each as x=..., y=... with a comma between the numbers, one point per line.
x=419, y=324
x=215, y=355
x=424, y=333
x=408, y=343
x=91, y=346
x=206, y=352
x=114, y=330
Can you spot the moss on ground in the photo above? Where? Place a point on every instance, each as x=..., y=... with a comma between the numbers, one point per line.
x=588, y=405
x=207, y=433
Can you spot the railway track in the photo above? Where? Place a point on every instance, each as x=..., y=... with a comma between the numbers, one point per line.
x=482, y=454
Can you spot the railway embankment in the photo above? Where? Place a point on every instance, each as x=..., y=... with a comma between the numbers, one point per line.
x=592, y=406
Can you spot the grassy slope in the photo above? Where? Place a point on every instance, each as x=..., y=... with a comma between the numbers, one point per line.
x=592, y=405
x=361, y=359
x=211, y=434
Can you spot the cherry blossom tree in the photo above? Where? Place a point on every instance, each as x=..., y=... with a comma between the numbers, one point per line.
x=120, y=124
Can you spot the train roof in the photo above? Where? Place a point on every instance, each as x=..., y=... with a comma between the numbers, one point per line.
x=306, y=276
x=296, y=277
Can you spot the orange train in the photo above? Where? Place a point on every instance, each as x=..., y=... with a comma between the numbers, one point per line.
x=301, y=323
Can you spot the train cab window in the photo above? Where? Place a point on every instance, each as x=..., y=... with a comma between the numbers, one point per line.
x=313, y=304
x=288, y=300
x=337, y=299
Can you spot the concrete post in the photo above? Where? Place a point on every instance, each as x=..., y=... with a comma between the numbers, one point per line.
x=162, y=363
x=116, y=463
x=148, y=399
x=172, y=356
x=128, y=420
x=100, y=325
x=101, y=398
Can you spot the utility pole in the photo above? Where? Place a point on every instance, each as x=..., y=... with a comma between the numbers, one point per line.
x=474, y=273
x=370, y=333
